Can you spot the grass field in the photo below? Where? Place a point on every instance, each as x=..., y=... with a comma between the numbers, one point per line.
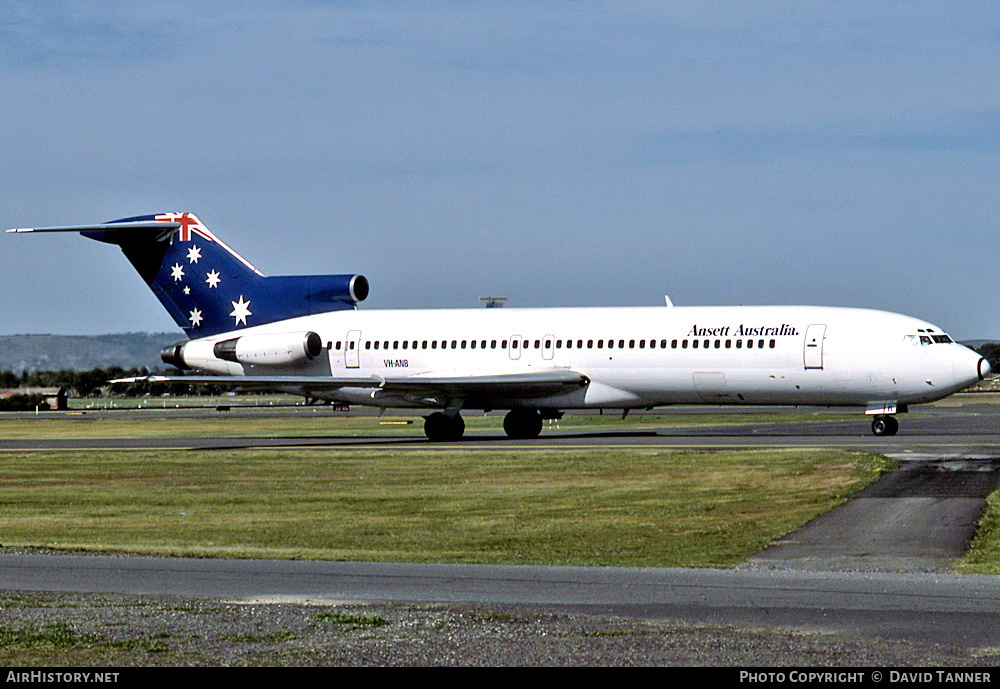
x=984, y=551
x=592, y=507
x=624, y=506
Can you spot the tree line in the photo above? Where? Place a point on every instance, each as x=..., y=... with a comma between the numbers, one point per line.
x=991, y=352
x=95, y=382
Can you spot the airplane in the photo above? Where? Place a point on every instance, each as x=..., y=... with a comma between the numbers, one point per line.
x=305, y=335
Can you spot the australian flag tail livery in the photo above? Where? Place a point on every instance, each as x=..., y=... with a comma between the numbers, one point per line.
x=207, y=287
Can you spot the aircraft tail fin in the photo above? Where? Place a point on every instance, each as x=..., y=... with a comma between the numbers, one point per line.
x=205, y=286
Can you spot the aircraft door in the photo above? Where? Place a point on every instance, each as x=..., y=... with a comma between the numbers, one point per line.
x=812, y=355
x=352, y=348
x=548, y=347
x=515, y=347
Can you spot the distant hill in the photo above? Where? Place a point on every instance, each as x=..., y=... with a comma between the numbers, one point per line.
x=976, y=344
x=83, y=352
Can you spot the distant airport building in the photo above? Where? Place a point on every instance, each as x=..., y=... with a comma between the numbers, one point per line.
x=493, y=302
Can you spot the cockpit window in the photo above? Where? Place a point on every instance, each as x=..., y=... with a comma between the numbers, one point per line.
x=928, y=339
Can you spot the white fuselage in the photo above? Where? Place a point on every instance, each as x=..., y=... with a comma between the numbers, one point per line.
x=632, y=357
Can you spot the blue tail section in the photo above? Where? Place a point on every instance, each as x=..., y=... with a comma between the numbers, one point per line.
x=207, y=287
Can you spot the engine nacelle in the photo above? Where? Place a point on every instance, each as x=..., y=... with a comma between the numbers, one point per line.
x=174, y=355
x=225, y=357
x=276, y=349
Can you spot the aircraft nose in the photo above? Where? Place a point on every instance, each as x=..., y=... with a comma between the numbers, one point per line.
x=984, y=369
x=970, y=367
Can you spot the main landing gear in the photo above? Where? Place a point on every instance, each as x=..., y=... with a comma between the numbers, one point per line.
x=519, y=424
x=441, y=427
x=885, y=425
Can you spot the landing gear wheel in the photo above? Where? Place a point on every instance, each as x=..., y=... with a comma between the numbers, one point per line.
x=439, y=427
x=522, y=424
x=885, y=425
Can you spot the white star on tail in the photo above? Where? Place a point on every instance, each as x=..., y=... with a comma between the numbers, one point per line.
x=195, y=317
x=213, y=279
x=194, y=253
x=241, y=310
x=177, y=272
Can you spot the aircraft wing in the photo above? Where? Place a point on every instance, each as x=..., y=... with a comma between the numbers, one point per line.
x=502, y=386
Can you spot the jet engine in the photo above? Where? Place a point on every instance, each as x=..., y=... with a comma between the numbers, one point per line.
x=272, y=349
x=275, y=349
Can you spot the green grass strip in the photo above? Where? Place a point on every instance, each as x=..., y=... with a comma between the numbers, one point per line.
x=623, y=507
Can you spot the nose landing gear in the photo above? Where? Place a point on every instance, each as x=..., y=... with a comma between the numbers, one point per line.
x=885, y=425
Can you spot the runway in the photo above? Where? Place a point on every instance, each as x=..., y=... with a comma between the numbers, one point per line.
x=963, y=426
x=875, y=567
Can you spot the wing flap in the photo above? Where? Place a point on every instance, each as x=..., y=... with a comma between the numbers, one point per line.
x=531, y=384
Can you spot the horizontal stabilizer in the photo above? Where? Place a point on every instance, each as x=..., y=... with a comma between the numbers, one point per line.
x=157, y=226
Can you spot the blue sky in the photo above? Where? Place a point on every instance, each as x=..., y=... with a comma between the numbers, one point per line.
x=558, y=153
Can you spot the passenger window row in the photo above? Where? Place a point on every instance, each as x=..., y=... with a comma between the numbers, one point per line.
x=559, y=344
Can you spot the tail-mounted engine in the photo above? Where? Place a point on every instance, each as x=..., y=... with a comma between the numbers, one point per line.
x=273, y=349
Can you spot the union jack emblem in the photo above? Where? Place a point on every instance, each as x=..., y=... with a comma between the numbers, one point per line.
x=189, y=224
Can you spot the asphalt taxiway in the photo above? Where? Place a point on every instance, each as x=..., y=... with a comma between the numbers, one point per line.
x=964, y=426
x=878, y=566
x=959, y=610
